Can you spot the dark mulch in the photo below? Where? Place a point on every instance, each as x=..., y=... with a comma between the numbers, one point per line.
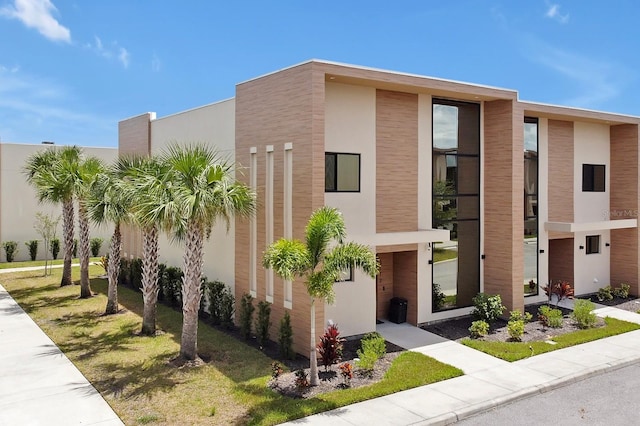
x=631, y=303
x=458, y=328
x=329, y=380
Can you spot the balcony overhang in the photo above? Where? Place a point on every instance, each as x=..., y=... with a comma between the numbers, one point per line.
x=412, y=237
x=591, y=226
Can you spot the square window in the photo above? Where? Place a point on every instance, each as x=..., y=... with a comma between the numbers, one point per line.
x=593, y=244
x=593, y=177
x=346, y=275
x=341, y=172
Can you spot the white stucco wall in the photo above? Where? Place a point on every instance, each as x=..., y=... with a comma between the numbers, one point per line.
x=215, y=125
x=350, y=125
x=19, y=204
x=591, y=146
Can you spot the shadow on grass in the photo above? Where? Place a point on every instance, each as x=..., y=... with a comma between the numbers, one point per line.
x=275, y=408
x=146, y=377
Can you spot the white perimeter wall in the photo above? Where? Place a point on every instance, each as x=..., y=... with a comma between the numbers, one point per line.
x=350, y=123
x=214, y=125
x=591, y=147
x=19, y=203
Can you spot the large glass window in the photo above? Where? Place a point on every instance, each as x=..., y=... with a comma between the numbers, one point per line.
x=456, y=203
x=530, y=206
x=341, y=172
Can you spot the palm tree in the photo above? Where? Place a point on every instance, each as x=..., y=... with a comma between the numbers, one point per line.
x=86, y=174
x=154, y=209
x=205, y=191
x=53, y=172
x=108, y=203
x=321, y=260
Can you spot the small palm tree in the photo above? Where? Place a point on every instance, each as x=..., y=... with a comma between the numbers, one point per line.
x=204, y=191
x=321, y=260
x=108, y=203
x=53, y=173
x=86, y=174
x=154, y=209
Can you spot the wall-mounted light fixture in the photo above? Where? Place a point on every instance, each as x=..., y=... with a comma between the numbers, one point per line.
x=607, y=244
x=581, y=247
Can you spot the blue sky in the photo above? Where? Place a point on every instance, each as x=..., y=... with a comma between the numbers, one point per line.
x=70, y=70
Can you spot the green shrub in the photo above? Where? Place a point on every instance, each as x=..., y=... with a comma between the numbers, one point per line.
x=246, y=315
x=285, y=338
x=135, y=271
x=172, y=286
x=33, y=249
x=622, y=291
x=519, y=316
x=75, y=247
x=478, y=329
x=55, y=248
x=263, y=322
x=10, y=249
x=124, y=275
x=372, y=348
x=550, y=317
x=374, y=342
x=437, y=297
x=302, y=379
x=487, y=308
x=582, y=313
x=516, y=329
x=604, y=293
x=95, y=244
x=220, y=301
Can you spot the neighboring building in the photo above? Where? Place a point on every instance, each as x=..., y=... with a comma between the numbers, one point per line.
x=19, y=203
x=453, y=184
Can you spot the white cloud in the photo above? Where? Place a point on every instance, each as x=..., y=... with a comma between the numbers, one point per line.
x=553, y=12
x=37, y=14
x=155, y=63
x=109, y=52
x=597, y=80
x=123, y=57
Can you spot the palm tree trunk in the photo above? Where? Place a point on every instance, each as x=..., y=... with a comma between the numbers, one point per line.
x=313, y=358
x=67, y=230
x=83, y=227
x=113, y=270
x=193, y=255
x=149, y=279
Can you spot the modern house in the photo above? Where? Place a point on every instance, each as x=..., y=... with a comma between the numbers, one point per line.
x=459, y=188
x=19, y=204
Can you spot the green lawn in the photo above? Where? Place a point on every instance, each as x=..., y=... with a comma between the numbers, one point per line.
x=514, y=351
x=26, y=263
x=440, y=254
x=134, y=375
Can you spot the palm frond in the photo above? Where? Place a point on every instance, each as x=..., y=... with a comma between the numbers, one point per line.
x=287, y=258
x=325, y=225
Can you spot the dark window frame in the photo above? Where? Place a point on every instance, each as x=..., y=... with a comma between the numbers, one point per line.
x=348, y=279
x=589, y=183
x=534, y=120
x=334, y=187
x=592, y=244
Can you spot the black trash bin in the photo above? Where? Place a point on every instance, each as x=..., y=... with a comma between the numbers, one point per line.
x=398, y=310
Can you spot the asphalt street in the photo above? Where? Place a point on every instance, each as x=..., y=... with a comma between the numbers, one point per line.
x=607, y=399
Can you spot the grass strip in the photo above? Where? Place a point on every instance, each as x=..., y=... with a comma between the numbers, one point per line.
x=514, y=351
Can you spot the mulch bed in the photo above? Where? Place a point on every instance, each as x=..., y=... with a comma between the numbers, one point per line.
x=458, y=328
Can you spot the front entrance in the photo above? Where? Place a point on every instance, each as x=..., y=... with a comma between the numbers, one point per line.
x=398, y=277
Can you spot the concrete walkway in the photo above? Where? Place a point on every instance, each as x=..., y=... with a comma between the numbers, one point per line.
x=488, y=382
x=38, y=384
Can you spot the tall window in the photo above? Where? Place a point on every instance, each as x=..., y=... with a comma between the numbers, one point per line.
x=456, y=202
x=530, y=206
x=341, y=172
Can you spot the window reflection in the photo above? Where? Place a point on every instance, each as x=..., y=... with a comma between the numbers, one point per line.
x=531, y=206
x=456, y=203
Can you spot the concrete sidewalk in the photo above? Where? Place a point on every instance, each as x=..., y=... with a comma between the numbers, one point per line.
x=38, y=384
x=488, y=382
